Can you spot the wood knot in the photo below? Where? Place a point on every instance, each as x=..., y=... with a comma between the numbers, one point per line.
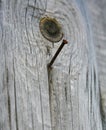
x=51, y=29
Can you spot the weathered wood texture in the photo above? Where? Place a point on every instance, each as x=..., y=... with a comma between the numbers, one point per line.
x=97, y=13
x=32, y=98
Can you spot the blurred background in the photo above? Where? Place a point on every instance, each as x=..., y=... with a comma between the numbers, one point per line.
x=97, y=13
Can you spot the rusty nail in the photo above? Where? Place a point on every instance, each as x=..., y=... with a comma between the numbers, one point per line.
x=56, y=54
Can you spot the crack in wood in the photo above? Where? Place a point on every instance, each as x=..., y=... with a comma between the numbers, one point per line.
x=15, y=97
x=9, y=102
x=50, y=91
x=9, y=110
x=65, y=93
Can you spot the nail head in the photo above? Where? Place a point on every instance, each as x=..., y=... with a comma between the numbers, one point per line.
x=65, y=41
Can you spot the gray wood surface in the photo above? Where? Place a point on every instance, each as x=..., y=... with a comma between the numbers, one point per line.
x=97, y=13
x=32, y=98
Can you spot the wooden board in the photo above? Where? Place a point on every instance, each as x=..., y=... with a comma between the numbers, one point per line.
x=97, y=13
x=67, y=97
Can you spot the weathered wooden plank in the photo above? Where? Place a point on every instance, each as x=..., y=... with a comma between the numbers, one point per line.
x=97, y=11
x=31, y=97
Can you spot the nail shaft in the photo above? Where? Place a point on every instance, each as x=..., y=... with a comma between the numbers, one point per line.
x=56, y=54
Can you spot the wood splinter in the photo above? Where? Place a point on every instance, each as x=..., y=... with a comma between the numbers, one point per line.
x=56, y=54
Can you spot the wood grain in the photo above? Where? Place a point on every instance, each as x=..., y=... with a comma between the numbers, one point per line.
x=67, y=97
x=97, y=10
